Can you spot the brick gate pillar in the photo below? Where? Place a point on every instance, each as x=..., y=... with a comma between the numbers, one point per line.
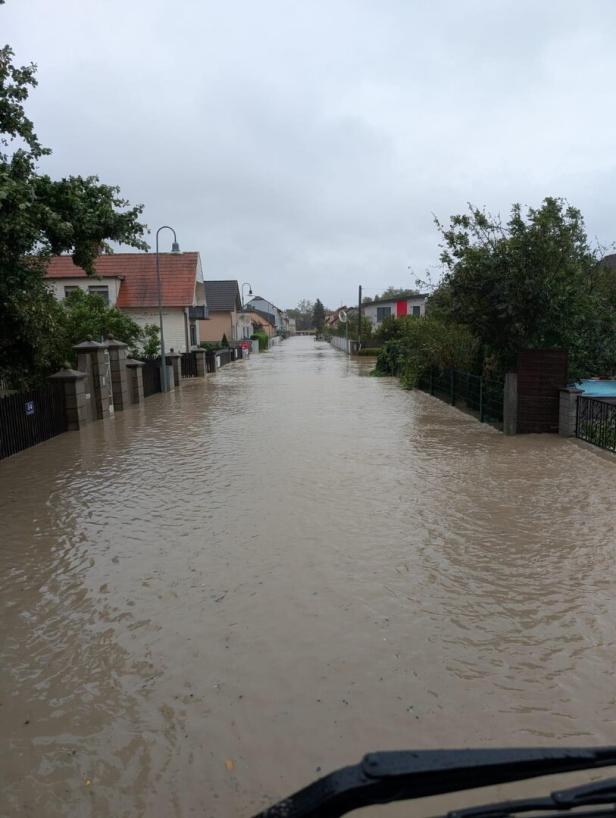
x=93, y=359
x=76, y=399
x=201, y=363
x=134, y=371
x=119, y=379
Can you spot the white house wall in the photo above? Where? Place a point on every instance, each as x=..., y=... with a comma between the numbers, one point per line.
x=369, y=310
x=173, y=325
x=57, y=286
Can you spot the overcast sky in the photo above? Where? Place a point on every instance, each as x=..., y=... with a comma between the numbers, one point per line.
x=304, y=146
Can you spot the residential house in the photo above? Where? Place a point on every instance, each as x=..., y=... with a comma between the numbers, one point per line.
x=260, y=323
x=129, y=282
x=277, y=317
x=381, y=308
x=226, y=316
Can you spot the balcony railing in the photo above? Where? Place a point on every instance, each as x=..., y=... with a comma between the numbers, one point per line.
x=198, y=313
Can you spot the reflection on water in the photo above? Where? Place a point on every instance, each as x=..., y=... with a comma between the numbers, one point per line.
x=209, y=597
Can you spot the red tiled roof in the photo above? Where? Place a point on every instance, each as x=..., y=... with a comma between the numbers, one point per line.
x=139, y=288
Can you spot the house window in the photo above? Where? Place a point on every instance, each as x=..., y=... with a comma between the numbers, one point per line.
x=382, y=313
x=193, y=335
x=70, y=288
x=417, y=311
x=100, y=290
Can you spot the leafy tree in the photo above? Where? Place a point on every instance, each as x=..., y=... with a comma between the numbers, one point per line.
x=529, y=283
x=395, y=292
x=40, y=217
x=224, y=342
x=150, y=342
x=87, y=315
x=302, y=314
x=318, y=315
x=366, y=327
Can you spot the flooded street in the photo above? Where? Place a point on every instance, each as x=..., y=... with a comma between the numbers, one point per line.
x=214, y=598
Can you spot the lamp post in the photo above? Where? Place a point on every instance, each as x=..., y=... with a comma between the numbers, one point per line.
x=359, y=320
x=246, y=284
x=175, y=248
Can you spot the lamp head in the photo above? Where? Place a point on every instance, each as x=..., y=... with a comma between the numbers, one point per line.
x=175, y=247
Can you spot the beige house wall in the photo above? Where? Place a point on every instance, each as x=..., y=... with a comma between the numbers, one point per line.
x=218, y=324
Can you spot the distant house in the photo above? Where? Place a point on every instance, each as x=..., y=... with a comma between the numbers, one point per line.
x=225, y=312
x=277, y=317
x=128, y=281
x=379, y=309
x=260, y=323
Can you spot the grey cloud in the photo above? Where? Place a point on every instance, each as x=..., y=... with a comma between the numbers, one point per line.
x=305, y=146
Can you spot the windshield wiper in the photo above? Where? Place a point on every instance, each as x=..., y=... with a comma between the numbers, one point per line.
x=600, y=792
x=381, y=778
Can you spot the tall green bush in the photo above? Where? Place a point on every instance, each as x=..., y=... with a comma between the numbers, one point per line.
x=263, y=340
x=531, y=282
x=422, y=343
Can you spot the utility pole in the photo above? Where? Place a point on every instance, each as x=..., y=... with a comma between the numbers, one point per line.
x=359, y=321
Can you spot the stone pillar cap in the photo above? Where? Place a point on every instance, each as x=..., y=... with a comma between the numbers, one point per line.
x=89, y=344
x=133, y=362
x=114, y=343
x=68, y=374
x=173, y=355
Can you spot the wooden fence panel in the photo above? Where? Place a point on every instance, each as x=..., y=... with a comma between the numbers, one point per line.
x=541, y=374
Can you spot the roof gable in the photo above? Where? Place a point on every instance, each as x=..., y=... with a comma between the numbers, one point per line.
x=139, y=287
x=222, y=296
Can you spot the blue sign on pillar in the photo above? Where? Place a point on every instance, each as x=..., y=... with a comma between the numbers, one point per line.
x=30, y=407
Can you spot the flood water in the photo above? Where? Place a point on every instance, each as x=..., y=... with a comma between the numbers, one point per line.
x=210, y=600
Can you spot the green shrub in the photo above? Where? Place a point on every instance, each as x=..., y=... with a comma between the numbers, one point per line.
x=224, y=343
x=424, y=343
x=370, y=352
x=210, y=346
x=263, y=340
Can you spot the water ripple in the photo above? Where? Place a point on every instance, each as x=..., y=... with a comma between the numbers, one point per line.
x=288, y=564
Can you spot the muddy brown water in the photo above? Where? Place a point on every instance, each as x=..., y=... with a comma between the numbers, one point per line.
x=212, y=599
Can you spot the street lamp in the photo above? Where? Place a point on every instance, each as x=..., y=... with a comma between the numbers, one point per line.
x=246, y=284
x=175, y=248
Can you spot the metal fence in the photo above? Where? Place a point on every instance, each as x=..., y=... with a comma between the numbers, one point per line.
x=479, y=395
x=151, y=377
x=28, y=418
x=210, y=361
x=224, y=356
x=188, y=365
x=596, y=422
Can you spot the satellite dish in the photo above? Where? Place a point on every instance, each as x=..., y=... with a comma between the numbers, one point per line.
x=343, y=317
